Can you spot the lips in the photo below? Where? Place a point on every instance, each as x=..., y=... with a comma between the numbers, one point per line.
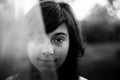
x=47, y=60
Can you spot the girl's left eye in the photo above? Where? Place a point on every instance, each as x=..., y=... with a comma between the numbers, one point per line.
x=58, y=40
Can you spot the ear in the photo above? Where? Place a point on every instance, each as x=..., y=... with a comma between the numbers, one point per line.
x=81, y=50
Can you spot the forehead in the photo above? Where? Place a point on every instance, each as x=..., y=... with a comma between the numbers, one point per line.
x=61, y=29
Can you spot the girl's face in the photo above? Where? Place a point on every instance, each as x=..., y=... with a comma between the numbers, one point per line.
x=50, y=50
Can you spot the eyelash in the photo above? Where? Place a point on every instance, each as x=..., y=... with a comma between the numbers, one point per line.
x=58, y=40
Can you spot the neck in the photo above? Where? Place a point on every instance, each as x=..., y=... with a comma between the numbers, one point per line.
x=49, y=75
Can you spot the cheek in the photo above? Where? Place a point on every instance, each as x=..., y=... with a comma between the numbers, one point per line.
x=61, y=54
x=32, y=57
x=33, y=52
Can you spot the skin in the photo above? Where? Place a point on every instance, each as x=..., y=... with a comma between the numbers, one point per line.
x=50, y=51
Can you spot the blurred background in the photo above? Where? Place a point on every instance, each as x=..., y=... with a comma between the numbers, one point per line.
x=101, y=28
x=100, y=24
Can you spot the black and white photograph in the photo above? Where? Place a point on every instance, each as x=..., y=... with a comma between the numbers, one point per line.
x=59, y=39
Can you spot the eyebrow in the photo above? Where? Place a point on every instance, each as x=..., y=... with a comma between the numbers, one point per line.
x=60, y=33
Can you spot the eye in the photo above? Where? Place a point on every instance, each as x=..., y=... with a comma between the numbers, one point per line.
x=58, y=40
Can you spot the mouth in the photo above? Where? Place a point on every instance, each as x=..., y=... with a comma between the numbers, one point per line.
x=45, y=60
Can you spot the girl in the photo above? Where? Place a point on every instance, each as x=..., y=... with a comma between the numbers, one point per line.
x=57, y=60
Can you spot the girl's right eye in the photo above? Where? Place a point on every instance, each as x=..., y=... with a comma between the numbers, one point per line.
x=58, y=40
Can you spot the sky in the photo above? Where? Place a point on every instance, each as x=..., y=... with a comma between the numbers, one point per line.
x=83, y=8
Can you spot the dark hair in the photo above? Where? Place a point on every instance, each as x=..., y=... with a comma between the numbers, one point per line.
x=54, y=14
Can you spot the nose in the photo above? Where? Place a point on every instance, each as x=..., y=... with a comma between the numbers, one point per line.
x=47, y=47
x=48, y=50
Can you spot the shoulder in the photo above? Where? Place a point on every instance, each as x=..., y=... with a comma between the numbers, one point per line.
x=82, y=78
